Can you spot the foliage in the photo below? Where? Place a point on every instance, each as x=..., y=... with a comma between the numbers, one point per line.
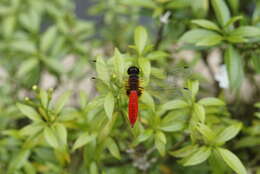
x=80, y=125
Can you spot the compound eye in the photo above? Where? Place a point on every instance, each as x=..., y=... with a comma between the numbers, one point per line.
x=133, y=70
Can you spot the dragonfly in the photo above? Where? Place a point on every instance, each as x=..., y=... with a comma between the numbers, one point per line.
x=170, y=84
x=134, y=89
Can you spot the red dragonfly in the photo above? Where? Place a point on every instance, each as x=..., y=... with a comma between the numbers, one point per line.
x=134, y=90
x=165, y=86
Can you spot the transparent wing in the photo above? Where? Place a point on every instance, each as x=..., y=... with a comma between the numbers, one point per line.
x=164, y=84
x=168, y=84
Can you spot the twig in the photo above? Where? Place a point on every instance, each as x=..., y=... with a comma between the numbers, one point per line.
x=216, y=85
x=163, y=21
x=159, y=37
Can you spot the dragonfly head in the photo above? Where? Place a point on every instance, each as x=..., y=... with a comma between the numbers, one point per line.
x=133, y=70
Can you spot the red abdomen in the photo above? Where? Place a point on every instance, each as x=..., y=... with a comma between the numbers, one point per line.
x=133, y=107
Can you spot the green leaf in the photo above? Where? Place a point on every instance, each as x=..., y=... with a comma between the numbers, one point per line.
x=62, y=100
x=208, y=134
x=83, y=99
x=102, y=70
x=53, y=65
x=18, y=161
x=24, y=46
x=185, y=151
x=112, y=147
x=31, y=129
x=232, y=161
x=193, y=86
x=143, y=3
x=172, y=105
x=62, y=134
x=160, y=142
x=156, y=55
x=199, y=156
x=248, y=142
x=171, y=124
x=216, y=163
x=210, y=40
x=235, y=39
x=118, y=64
x=29, y=112
x=233, y=20
x=196, y=35
x=198, y=112
x=256, y=15
x=143, y=136
x=48, y=39
x=211, y=101
x=246, y=31
x=97, y=103
x=30, y=20
x=160, y=136
x=145, y=66
x=200, y=8
x=8, y=25
x=257, y=114
x=256, y=62
x=221, y=11
x=29, y=168
x=83, y=139
x=257, y=105
x=50, y=137
x=228, y=133
x=44, y=98
x=109, y=104
x=234, y=4
x=206, y=24
x=140, y=38
x=148, y=100
x=93, y=168
x=177, y=4
x=234, y=65
x=26, y=67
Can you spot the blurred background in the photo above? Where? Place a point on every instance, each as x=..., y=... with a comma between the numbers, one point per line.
x=52, y=44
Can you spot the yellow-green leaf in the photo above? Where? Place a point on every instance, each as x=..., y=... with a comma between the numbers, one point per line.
x=198, y=112
x=221, y=10
x=171, y=105
x=118, y=64
x=206, y=24
x=140, y=39
x=197, y=157
x=50, y=137
x=48, y=38
x=61, y=133
x=29, y=112
x=109, y=104
x=232, y=161
x=228, y=133
x=82, y=140
x=211, y=101
x=102, y=70
x=44, y=98
x=113, y=148
x=62, y=100
x=185, y=151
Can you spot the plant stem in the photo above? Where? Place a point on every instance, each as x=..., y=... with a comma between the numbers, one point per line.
x=205, y=61
x=159, y=37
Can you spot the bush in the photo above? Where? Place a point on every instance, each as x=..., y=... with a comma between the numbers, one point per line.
x=55, y=119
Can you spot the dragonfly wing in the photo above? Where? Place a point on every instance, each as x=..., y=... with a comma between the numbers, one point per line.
x=169, y=84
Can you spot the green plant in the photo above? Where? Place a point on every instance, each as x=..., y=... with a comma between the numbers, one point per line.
x=79, y=125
